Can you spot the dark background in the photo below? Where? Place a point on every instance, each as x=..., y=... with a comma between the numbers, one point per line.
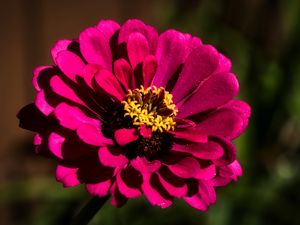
x=261, y=37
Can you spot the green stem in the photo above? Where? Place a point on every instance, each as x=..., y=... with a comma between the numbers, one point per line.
x=86, y=214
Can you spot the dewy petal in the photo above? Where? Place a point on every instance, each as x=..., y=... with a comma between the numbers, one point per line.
x=59, y=46
x=99, y=189
x=201, y=63
x=127, y=191
x=70, y=64
x=67, y=176
x=109, y=83
x=149, y=69
x=111, y=160
x=94, y=46
x=217, y=90
x=137, y=48
x=123, y=72
x=108, y=27
x=170, y=55
x=72, y=117
x=92, y=135
x=125, y=136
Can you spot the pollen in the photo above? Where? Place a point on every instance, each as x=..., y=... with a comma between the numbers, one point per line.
x=152, y=107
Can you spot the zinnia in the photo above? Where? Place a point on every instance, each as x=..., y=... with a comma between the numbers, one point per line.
x=128, y=112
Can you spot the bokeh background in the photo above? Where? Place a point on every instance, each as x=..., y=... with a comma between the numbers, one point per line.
x=261, y=37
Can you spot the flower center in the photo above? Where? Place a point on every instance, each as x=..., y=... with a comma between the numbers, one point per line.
x=152, y=107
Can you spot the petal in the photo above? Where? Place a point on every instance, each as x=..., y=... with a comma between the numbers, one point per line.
x=72, y=117
x=127, y=191
x=186, y=168
x=94, y=46
x=196, y=202
x=67, y=176
x=55, y=143
x=137, y=48
x=190, y=135
x=42, y=104
x=217, y=90
x=108, y=27
x=59, y=46
x=107, y=158
x=124, y=136
x=36, y=73
x=173, y=190
x=201, y=63
x=170, y=55
x=229, y=152
x=145, y=131
x=70, y=64
x=92, y=135
x=100, y=189
x=109, y=83
x=149, y=69
x=123, y=72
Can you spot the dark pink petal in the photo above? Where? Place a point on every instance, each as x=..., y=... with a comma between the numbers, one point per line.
x=149, y=69
x=192, y=43
x=118, y=199
x=185, y=168
x=94, y=46
x=127, y=191
x=92, y=135
x=170, y=55
x=67, y=176
x=124, y=136
x=207, y=173
x=217, y=90
x=72, y=117
x=209, y=150
x=111, y=160
x=134, y=25
x=36, y=73
x=137, y=48
x=201, y=63
x=236, y=168
x=228, y=121
x=108, y=27
x=224, y=64
x=123, y=72
x=62, y=89
x=196, y=202
x=190, y=134
x=207, y=192
x=55, y=143
x=172, y=189
x=59, y=46
x=142, y=165
x=70, y=64
x=37, y=139
x=109, y=83
x=100, y=189
x=42, y=104
x=145, y=131
x=229, y=152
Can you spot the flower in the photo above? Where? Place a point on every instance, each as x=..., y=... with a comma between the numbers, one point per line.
x=128, y=112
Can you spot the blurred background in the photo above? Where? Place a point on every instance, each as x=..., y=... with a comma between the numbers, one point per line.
x=261, y=37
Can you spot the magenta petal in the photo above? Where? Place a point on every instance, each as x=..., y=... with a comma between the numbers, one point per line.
x=92, y=135
x=109, y=83
x=99, y=189
x=149, y=69
x=42, y=104
x=108, y=27
x=137, y=48
x=201, y=63
x=36, y=73
x=55, y=142
x=145, y=131
x=94, y=46
x=142, y=165
x=173, y=190
x=123, y=72
x=229, y=152
x=124, y=136
x=127, y=191
x=108, y=159
x=217, y=90
x=170, y=54
x=224, y=64
x=236, y=168
x=209, y=150
x=185, y=168
x=59, y=46
x=67, y=176
x=72, y=117
x=190, y=135
x=70, y=64
x=117, y=198
x=196, y=202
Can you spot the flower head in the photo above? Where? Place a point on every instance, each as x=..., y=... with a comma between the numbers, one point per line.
x=128, y=112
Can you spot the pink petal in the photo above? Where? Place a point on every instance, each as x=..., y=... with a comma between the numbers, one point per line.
x=201, y=63
x=118, y=199
x=196, y=202
x=111, y=160
x=145, y=131
x=185, y=168
x=70, y=64
x=173, y=190
x=94, y=46
x=108, y=27
x=55, y=143
x=109, y=83
x=149, y=69
x=67, y=176
x=59, y=46
x=36, y=73
x=124, y=136
x=142, y=165
x=217, y=90
x=137, y=48
x=127, y=191
x=72, y=117
x=224, y=64
x=92, y=135
x=170, y=55
x=236, y=168
x=42, y=104
x=229, y=152
x=123, y=72
x=190, y=135
x=99, y=189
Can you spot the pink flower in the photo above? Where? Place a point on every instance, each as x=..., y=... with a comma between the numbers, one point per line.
x=128, y=112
